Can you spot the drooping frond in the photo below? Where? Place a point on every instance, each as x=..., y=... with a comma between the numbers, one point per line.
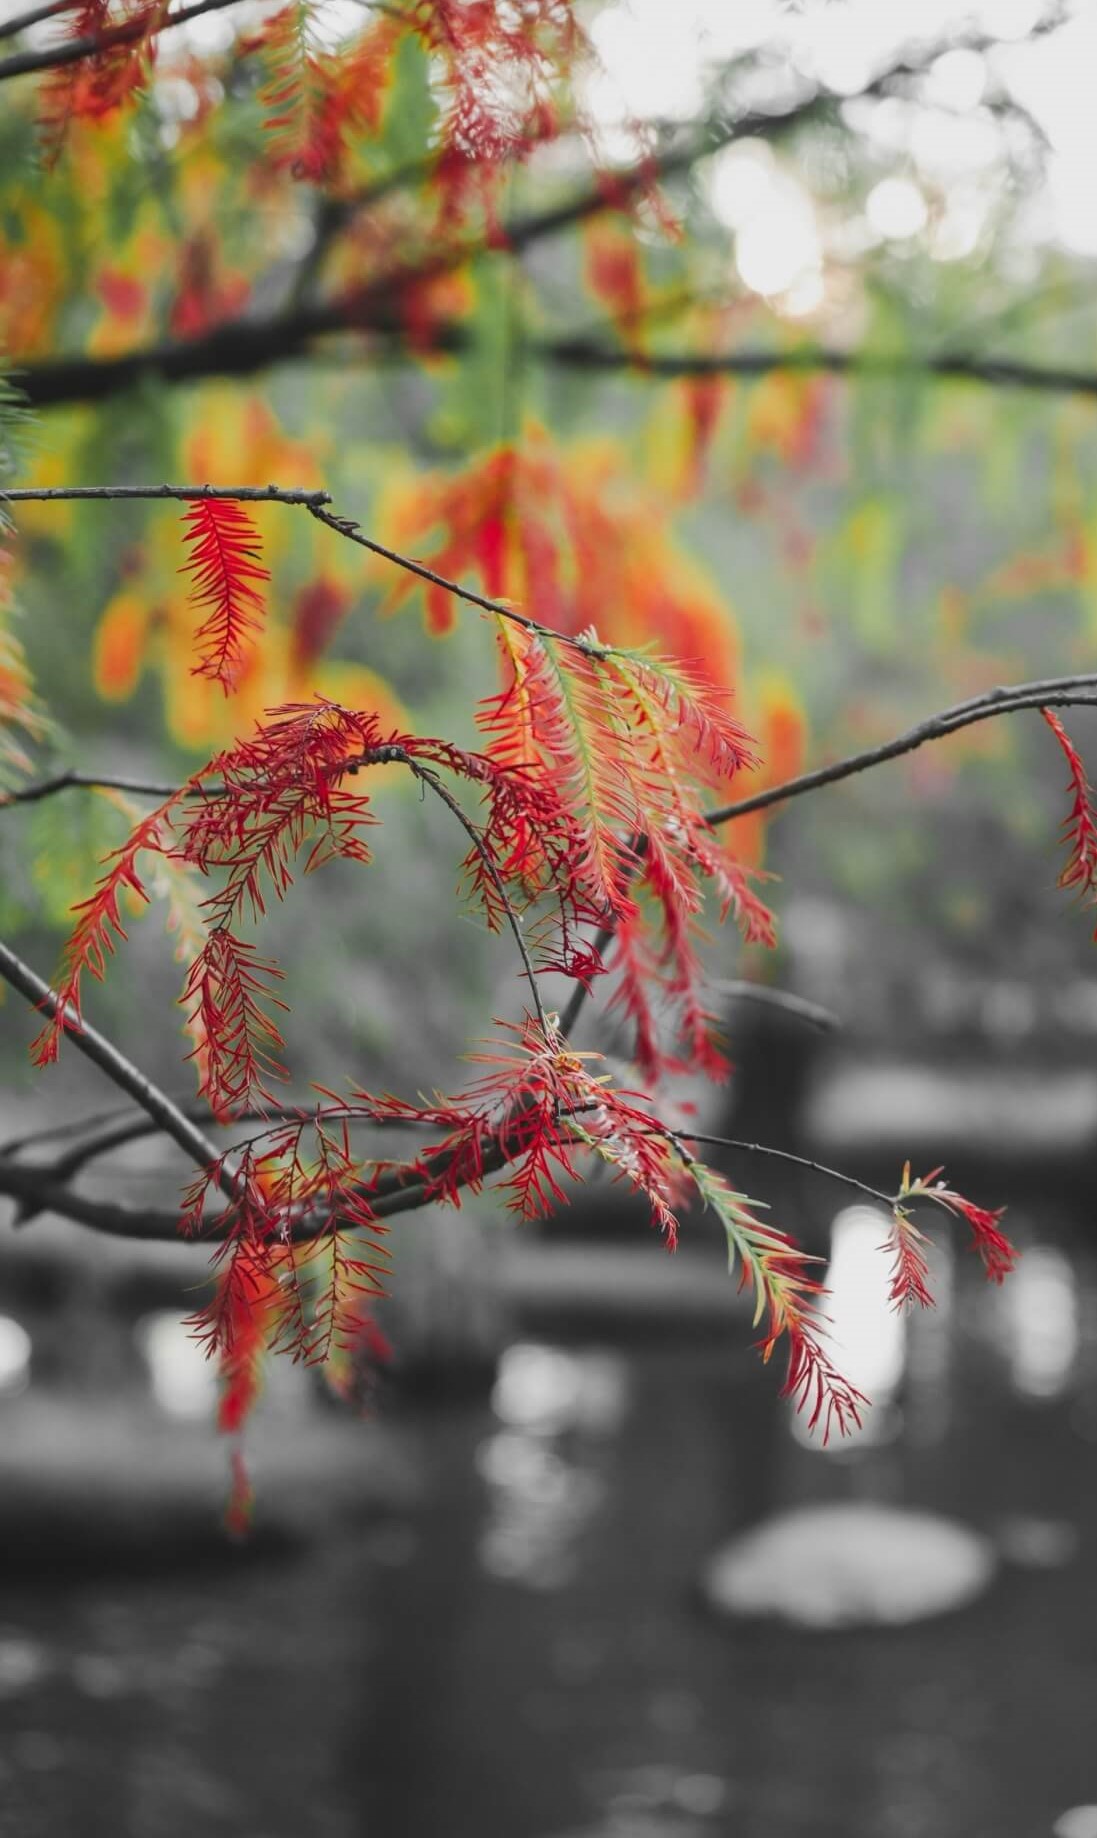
x=997, y=1253
x=629, y=742
x=536, y=1109
x=321, y=91
x=274, y=1293
x=228, y=998
x=501, y=66
x=270, y=795
x=99, y=925
x=94, y=87
x=225, y=569
x=909, y=1268
x=537, y=1106
x=1080, y=825
x=786, y=1298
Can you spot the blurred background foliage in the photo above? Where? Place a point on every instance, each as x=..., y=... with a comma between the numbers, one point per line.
x=750, y=378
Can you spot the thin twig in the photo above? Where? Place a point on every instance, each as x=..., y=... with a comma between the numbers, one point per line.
x=784, y=1155
x=36, y=1191
x=577, y=353
x=993, y=702
x=246, y=494
x=397, y=755
x=11, y=28
x=315, y=502
x=405, y=1189
x=74, y=50
x=87, y=781
x=345, y=526
x=120, y=1070
x=1057, y=692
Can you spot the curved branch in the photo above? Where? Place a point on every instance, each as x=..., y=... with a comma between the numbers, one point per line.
x=75, y=50
x=86, y=781
x=784, y=1155
x=37, y=1191
x=397, y=756
x=959, y=366
x=405, y=1190
x=186, y=494
x=1053, y=692
x=241, y=347
x=19, y=22
x=120, y=1070
x=316, y=503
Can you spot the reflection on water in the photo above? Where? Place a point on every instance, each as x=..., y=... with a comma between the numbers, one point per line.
x=1040, y=1329
x=1076, y=1822
x=541, y=1498
x=183, y=1380
x=867, y=1336
x=932, y=1347
x=15, y=1353
x=521, y=1651
x=545, y=1390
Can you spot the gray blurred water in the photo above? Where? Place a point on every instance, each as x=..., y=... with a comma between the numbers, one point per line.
x=502, y=1631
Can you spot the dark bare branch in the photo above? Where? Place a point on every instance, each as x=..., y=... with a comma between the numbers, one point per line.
x=75, y=50
x=186, y=494
x=120, y=1070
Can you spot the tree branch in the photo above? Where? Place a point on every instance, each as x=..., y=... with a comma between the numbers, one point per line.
x=316, y=502
x=11, y=28
x=405, y=1190
x=86, y=781
x=784, y=1155
x=37, y=1191
x=74, y=50
x=120, y=1070
x=960, y=366
x=398, y=756
x=244, y=494
x=344, y=526
x=1052, y=692
x=241, y=347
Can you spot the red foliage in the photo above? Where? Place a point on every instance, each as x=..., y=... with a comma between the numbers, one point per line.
x=628, y=741
x=309, y=1296
x=317, y=611
x=1080, y=827
x=501, y=65
x=909, y=1269
x=998, y=1254
x=203, y=297
x=224, y=564
x=99, y=925
x=315, y=98
x=773, y=1266
x=93, y=87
